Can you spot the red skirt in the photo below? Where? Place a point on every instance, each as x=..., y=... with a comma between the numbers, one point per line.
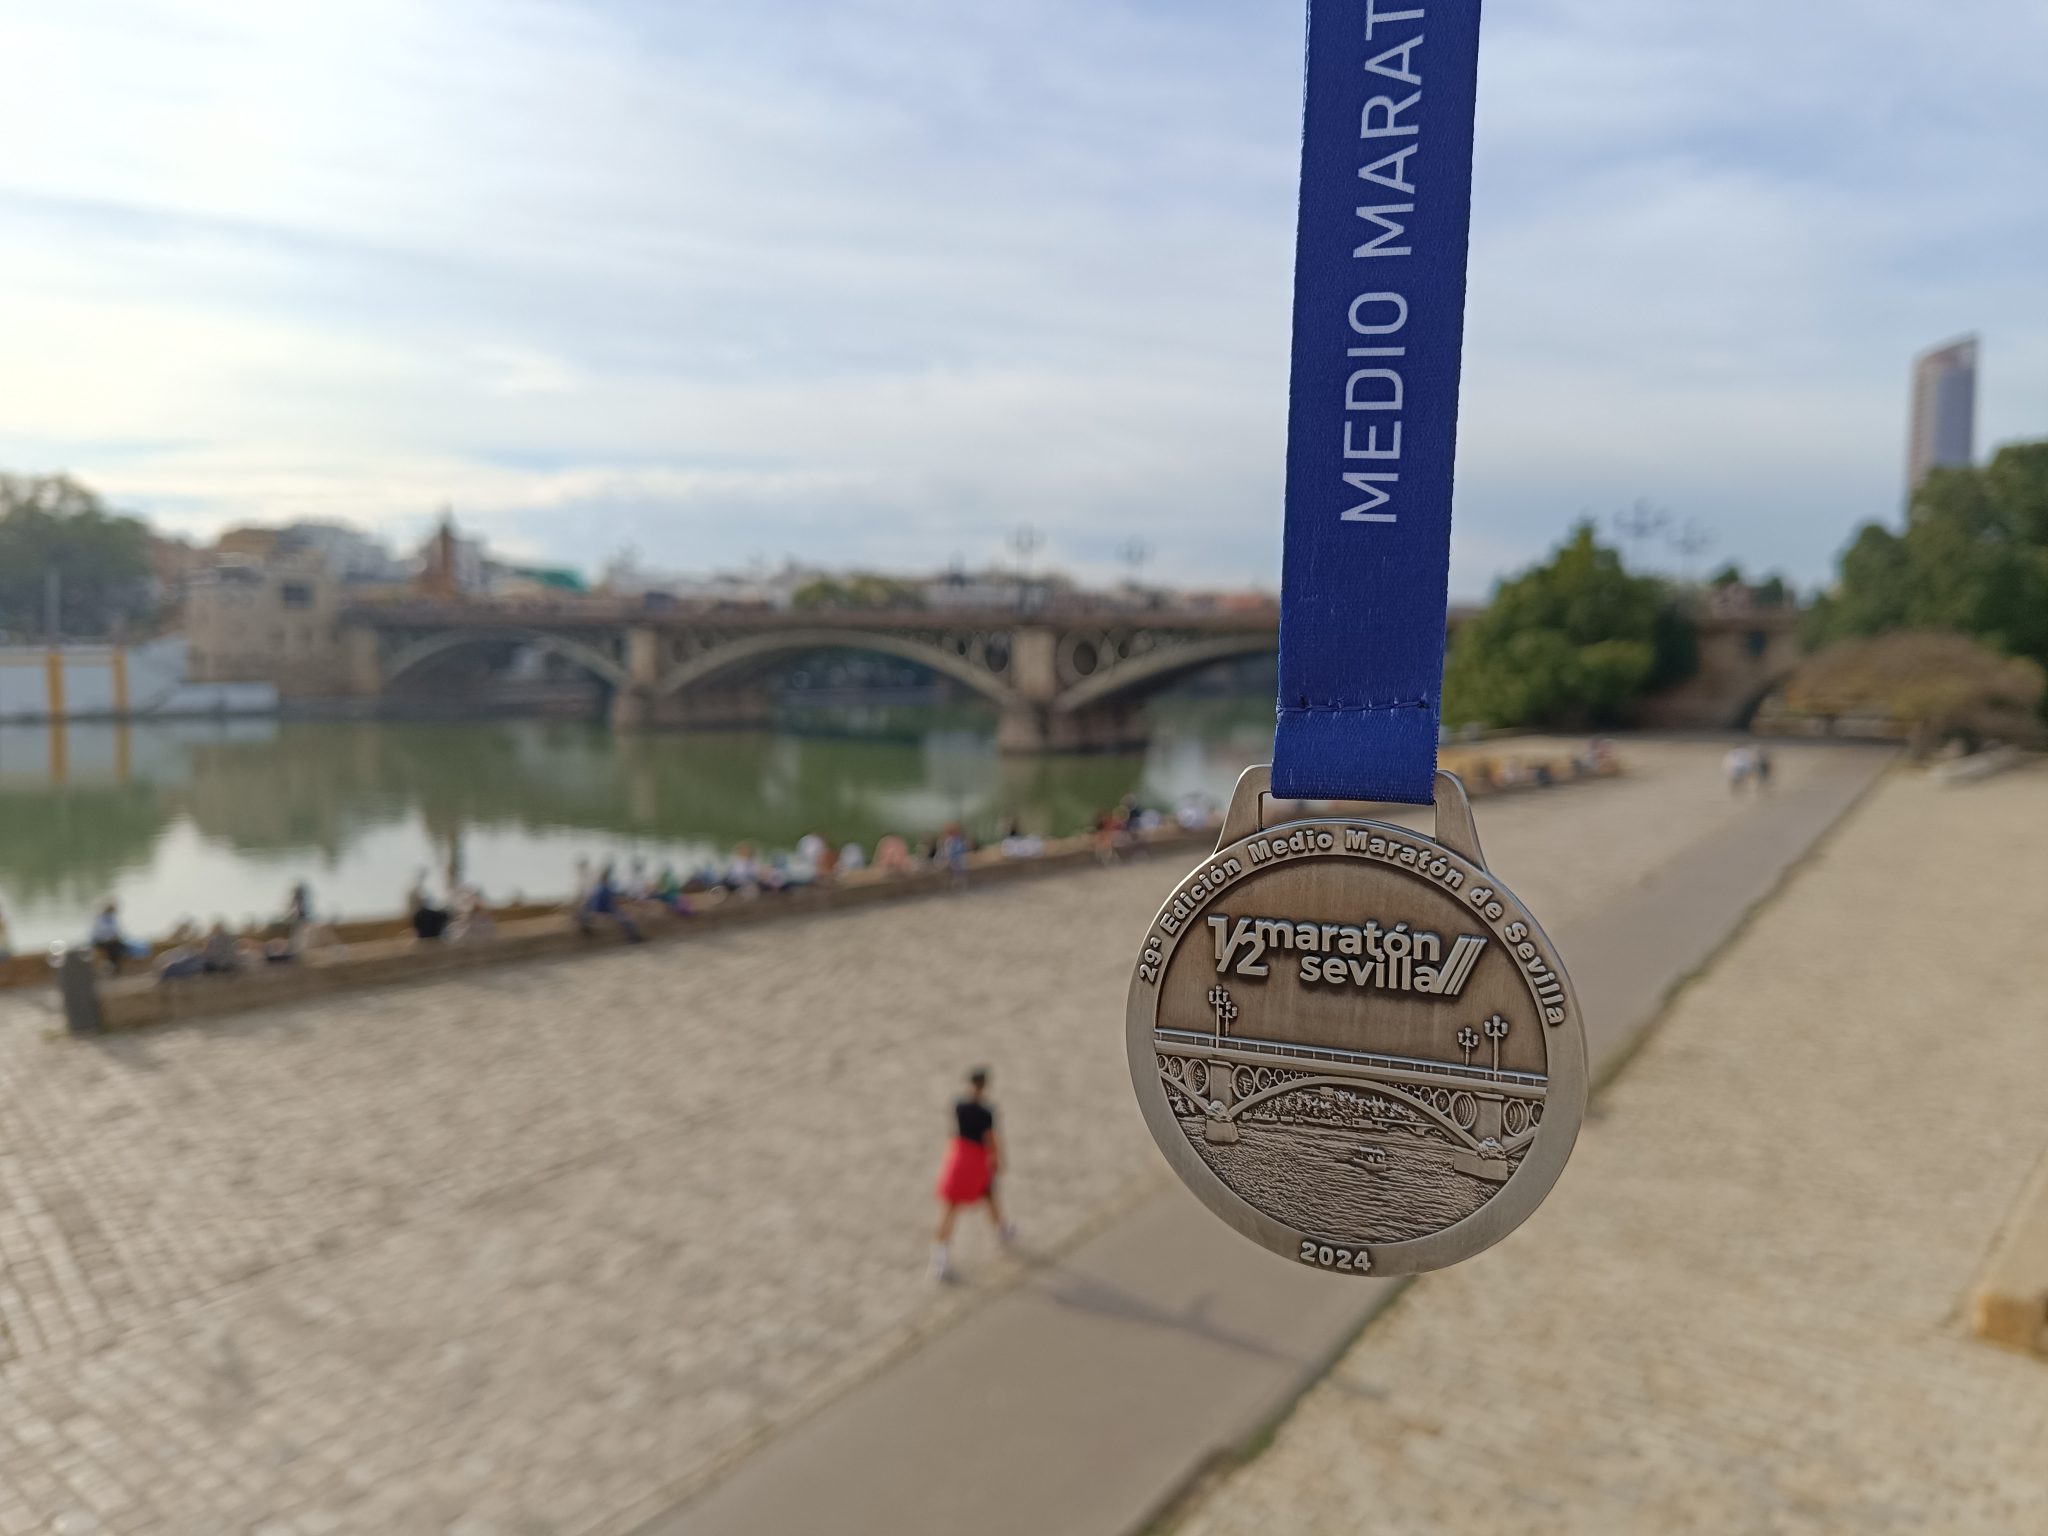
x=966, y=1176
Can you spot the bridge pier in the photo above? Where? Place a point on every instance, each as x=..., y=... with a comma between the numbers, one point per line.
x=364, y=662
x=1487, y=1127
x=643, y=709
x=1028, y=729
x=1221, y=1089
x=632, y=710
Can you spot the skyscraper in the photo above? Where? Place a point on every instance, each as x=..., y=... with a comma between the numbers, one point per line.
x=1944, y=429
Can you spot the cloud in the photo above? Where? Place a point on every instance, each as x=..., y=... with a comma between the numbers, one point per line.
x=881, y=280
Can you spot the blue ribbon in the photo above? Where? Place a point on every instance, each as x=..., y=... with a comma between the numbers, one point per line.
x=1379, y=317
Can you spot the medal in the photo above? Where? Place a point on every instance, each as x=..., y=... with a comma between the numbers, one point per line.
x=1351, y=1041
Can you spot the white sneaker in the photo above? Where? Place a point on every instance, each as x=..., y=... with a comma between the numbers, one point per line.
x=942, y=1267
x=1008, y=1234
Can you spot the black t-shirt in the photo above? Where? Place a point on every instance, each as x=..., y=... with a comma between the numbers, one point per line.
x=975, y=1120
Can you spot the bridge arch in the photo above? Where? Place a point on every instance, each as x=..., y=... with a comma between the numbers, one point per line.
x=1775, y=682
x=1133, y=680
x=606, y=669
x=751, y=650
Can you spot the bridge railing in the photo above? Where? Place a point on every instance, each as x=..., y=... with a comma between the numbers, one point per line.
x=1208, y=1042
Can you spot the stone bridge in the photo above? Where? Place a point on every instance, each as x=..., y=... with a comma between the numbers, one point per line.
x=1743, y=656
x=1061, y=680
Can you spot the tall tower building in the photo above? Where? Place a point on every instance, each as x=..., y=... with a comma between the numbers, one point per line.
x=1944, y=429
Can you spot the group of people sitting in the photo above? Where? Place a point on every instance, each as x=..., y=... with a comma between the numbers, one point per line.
x=604, y=895
x=217, y=950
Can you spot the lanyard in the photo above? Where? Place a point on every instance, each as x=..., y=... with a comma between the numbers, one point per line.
x=1379, y=317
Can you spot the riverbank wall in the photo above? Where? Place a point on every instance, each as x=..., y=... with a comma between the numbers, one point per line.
x=398, y=957
x=68, y=681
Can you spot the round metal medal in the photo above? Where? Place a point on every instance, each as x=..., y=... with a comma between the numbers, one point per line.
x=1352, y=1043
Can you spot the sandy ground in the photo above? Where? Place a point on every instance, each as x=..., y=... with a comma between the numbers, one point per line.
x=1742, y=1310
x=532, y=1253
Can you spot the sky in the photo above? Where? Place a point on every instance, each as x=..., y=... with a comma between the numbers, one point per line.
x=879, y=282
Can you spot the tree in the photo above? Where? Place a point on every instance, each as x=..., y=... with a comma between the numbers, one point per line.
x=859, y=590
x=51, y=524
x=1772, y=592
x=1576, y=641
x=1973, y=559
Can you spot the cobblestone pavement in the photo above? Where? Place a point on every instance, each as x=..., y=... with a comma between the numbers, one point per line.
x=532, y=1253
x=1741, y=1312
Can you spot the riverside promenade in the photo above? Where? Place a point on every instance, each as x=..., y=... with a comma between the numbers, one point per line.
x=563, y=1248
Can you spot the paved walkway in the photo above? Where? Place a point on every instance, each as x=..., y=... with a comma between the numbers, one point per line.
x=1744, y=1311
x=541, y=1254
x=1091, y=1394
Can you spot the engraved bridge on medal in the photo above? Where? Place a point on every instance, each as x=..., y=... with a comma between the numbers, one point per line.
x=1485, y=1118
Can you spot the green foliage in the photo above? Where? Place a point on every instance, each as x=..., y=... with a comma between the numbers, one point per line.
x=1973, y=559
x=1772, y=592
x=1574, y=642
x=52, y=523
x=857, y=591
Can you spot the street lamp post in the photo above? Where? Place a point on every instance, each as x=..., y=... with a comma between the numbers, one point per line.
x=1226, y=1010
x=1496, y=1029
x=1025, y=541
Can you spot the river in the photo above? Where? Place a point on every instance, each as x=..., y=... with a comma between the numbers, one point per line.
x=206, y=819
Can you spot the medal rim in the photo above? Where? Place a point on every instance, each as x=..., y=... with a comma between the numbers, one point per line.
x=1564, y=1048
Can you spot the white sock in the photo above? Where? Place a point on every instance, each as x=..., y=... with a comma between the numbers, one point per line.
x=942, y=1258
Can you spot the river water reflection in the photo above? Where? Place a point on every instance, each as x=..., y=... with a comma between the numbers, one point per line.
x=203, y=818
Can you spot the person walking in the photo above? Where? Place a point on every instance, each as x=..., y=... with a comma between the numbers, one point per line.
x=1737, y=766
x=968, y=1175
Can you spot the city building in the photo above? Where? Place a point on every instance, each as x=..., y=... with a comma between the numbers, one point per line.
x=1943, y=433
x=273, y=621
x=761, y=587
x=349, y=554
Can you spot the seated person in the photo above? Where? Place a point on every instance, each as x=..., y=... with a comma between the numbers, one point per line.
x=181, y=955
x=668, y=890
x=473, y=918
x=603, y=901
x=743, y=875
x=258, y=949
x=428, y=920
x=108, y=939
x=220, y=955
